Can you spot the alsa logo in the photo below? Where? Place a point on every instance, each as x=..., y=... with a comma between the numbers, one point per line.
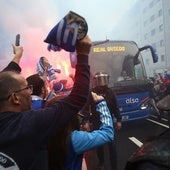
x=132, y=100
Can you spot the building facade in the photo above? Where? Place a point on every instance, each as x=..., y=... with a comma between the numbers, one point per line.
x=148, y=23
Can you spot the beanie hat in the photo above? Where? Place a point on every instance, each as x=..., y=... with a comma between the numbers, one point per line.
x=58, y=87
x=64, y=35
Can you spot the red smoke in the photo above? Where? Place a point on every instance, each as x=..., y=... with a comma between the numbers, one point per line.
x=34, y=48
x=33, y=24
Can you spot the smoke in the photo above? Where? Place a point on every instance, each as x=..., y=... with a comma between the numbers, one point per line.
x=32, y=20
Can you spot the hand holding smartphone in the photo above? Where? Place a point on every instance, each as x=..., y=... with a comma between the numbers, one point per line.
x=17, y=40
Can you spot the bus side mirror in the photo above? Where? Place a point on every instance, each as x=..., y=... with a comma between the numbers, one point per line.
x=154, y=54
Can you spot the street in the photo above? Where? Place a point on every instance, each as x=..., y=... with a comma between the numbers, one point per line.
x=133, y=134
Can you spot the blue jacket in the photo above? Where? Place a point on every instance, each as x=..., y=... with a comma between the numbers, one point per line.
x=82, y=141
x=37, y=102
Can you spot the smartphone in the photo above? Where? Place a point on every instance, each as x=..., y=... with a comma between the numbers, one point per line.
x=17, y=40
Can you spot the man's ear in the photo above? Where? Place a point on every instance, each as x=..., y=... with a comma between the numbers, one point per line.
x=14, y=98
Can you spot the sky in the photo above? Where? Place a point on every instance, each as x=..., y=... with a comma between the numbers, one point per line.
x=33, y=19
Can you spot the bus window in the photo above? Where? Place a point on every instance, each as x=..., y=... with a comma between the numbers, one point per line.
x=128, y=65
x=138, y=72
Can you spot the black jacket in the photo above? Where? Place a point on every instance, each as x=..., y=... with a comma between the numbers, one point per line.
x=12, y=66
x=25, y=135
x=89, y=110
x=154, y=154
x=111, y=100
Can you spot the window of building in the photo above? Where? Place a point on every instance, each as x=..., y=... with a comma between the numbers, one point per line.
x=145, y=10
x=154, y=45
x=161, y=27
x=152, y=18
x=156, y=1
x=153, y=32
x=160, y=13
x=146, y=36
x=162, y=58
x=151, y=4
x=161, y=43
x=145, y=23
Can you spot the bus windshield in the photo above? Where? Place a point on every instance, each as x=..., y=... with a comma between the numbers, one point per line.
x=123, y=62
x=119, y=60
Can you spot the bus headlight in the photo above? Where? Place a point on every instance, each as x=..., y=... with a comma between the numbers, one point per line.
x=144, y=106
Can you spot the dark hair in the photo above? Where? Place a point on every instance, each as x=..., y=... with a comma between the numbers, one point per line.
x=37, y=82
x=58, y=144
x=8, y=84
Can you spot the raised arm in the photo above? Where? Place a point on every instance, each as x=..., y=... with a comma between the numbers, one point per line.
x=14, y=64
x=83, y=141
x=66, y=108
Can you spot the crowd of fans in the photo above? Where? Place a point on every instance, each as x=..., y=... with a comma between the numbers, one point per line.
x=161, y=85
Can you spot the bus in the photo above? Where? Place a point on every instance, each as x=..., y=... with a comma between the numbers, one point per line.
x=123, y=62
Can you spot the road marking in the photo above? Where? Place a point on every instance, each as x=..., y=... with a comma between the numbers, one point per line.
x=136, y=141
x=154, y=116
x=166, y=120
x=161, y=124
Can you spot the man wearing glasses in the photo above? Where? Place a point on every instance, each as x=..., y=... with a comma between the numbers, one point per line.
x=24, y=132
x=29, y=87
